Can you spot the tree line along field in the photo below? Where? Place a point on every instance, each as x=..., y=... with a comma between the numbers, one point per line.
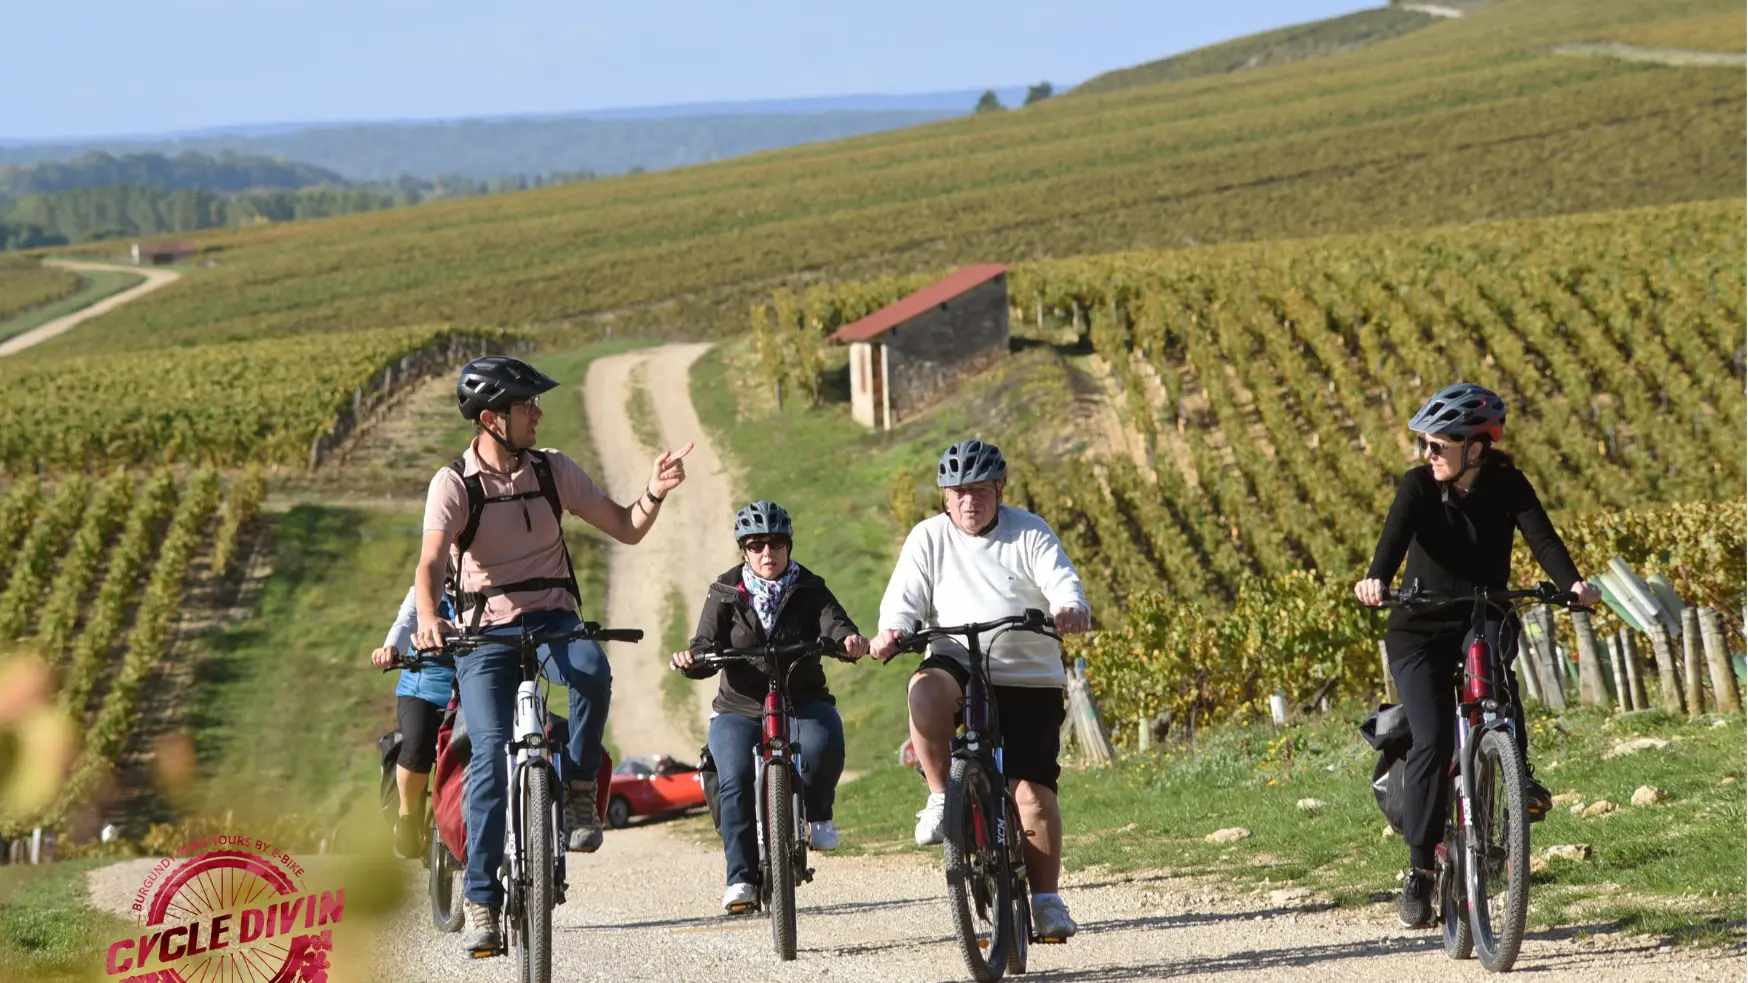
x=1467, y=119
x=1269, y=382
x=94, y=573
x=25, y=283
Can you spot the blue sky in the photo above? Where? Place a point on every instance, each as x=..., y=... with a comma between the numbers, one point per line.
x=112, y=67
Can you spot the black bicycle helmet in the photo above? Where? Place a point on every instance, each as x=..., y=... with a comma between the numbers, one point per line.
x=496, y=381
x=762, y=519
x=1462, y=410
x=971, y=461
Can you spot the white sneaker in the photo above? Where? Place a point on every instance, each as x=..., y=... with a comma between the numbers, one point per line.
x=930, y=819
x=822, y=836
x=739, y=897
x=1050, y=919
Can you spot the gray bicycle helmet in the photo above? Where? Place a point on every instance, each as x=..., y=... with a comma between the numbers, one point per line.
x=496, y=381
x=762, y=519
x=970, y=461
x=1463, y=410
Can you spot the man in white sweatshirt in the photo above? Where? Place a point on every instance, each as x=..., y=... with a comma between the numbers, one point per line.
x=980, y=561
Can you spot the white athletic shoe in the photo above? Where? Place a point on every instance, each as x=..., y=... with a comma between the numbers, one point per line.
x=930, y=819
x=1050, y=918
x=822, y=836
x=739, y=897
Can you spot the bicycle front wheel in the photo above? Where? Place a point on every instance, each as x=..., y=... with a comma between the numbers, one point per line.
x=539, y=859
x=1498, y=859
x=780, y=850
x=978, y=888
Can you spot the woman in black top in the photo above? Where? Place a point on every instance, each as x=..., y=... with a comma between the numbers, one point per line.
x=769, y=599
x=1454, y=518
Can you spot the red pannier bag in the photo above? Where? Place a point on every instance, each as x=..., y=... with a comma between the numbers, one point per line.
x=449, y=779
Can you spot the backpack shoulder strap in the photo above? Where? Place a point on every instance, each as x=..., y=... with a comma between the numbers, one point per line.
x=548, y=487
x=476, y=503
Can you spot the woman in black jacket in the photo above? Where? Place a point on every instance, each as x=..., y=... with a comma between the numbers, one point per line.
x=770, y=599
x=1454, y=518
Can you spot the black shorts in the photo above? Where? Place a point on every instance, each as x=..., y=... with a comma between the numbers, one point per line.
x=1030, y=719
x=417, y=720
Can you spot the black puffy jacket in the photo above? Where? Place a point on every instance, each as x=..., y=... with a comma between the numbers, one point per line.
x=807, y=612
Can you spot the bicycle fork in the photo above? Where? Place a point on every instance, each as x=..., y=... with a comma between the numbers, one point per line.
x=527, y=749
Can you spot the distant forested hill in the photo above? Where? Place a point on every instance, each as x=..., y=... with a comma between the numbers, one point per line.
x=484, y=149
x=227, y=172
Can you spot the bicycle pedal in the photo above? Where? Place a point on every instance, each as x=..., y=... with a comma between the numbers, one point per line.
x=743, y=909
x=485, y=953
x=1046, y=940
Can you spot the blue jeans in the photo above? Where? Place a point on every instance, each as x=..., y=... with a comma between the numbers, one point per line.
x=488, y=677
x=733, y=739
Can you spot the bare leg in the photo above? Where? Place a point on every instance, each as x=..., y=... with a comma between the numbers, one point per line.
x=412, y=789
x=934, y=697
x=1042, y=821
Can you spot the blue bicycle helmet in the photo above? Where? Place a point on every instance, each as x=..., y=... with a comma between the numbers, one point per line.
x=762, y=518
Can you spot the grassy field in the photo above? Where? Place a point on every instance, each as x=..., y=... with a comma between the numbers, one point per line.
x=1672, y=869
x=1467, y=119
x=47, y=931
x=26, y=284
x=1278, y=47
x=87, y=289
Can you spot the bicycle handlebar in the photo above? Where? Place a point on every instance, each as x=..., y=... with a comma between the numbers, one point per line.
x=589, y=631
x=1032, y=620
x=722, y=654
x=1543, y=593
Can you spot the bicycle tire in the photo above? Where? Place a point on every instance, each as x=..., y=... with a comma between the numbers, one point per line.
x=1499, y=934
x=977, y=882
x=1453, y=912
x=779, y=849
x=444, y=875
x=1019, y=889
x=539, y=861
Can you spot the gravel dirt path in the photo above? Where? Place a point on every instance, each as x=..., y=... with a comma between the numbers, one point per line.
x=645, y=909
x=689, y=546
x=155, y=278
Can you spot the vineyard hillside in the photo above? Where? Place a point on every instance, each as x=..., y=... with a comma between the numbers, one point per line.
x=97, y=575
x=26, y=283
x=1467, y=119
x=1267, y=383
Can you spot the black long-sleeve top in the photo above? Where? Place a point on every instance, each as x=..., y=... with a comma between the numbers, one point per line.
x=1455, y=542
x=808, y=612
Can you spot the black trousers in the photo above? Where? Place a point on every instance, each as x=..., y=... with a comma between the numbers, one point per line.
x=1428, y=667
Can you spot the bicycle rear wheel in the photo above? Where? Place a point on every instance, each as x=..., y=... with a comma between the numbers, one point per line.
x=1019, y=889
x=1498, y=878
x=539, y=859
x=445, y=884
x=978, y=879
x=780, y=851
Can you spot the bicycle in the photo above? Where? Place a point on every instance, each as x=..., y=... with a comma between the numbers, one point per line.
x=533, y=870
x=1489, y=789
x=982, y=840
x=443, y=869
x=780, y=814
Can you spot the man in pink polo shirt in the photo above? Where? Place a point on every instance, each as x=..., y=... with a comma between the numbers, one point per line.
x=495, y=514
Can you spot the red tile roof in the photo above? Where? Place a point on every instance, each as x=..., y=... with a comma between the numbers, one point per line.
x=939, y=292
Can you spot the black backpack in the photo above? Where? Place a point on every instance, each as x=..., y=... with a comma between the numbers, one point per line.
x=1386, y=729
x=477, y=500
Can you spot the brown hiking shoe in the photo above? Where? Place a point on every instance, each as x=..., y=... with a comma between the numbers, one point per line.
x=582, y=820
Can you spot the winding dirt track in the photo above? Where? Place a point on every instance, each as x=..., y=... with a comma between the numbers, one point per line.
x=689, y=546
x=155, y=278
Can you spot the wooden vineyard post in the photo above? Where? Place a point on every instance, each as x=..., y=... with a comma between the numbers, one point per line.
x=1635, y=671
x=1711, y=628
x=1528, y=671
x=1690, y=662
x=1553, y=675
x=1623, y=690
x=1088, y=732
x=1592, y=691
x=1390, y=694
x=1664, y=651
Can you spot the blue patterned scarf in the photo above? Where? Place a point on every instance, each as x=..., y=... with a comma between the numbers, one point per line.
x=767, y=595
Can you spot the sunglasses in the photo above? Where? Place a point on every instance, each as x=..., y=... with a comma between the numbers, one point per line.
x=761, y=545
x=1435, y=448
